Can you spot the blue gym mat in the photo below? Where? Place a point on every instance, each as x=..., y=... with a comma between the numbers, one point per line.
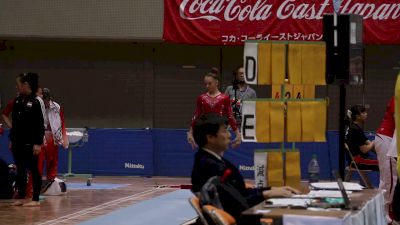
x=93, y=186
x=169, y=209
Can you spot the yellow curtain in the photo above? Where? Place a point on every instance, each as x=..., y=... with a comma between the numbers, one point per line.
x=313, y=64
x=277, y=121
x=294, y=63
x=397, y=118
x=319, y=64
x=307, y=121
x=278, y=60
x=307, y=64
x=293, y=175
x=288, y=91
x=309, y=91
x=277, y=89
x=264, y=63
x=293, y=122
x=269, y=168
x=298, y=91
x=320, y=121
x=275, y=169
x=262, y=121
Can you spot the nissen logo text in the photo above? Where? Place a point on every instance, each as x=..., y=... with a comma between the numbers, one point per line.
x=246, y=168
x=134, y=166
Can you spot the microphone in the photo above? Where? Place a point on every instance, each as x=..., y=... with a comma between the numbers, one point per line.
x=226, y=175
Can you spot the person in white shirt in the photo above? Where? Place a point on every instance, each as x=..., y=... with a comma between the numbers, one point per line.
x=55, y=135
x=238, y=92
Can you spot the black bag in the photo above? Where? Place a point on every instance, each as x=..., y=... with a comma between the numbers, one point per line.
x=208, y=194
x=6, y=181
x=212, y=190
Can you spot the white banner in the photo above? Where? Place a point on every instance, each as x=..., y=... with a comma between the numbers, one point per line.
x=248, y=131
x=250, y=62
x=260, y=168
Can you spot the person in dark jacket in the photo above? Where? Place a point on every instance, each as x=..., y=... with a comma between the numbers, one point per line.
x=213, y=138
x=26, y=137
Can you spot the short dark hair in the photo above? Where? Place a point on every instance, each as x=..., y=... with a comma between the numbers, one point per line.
x=19, y=76
x=236, y=71
x=46, y=94
x=207, y=124
x=356, y=110
x=32, y=79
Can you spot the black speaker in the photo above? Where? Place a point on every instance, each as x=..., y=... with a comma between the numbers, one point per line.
x=344, y=48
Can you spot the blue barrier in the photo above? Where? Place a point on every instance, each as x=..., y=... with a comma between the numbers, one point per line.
x=5, y=153
x=113, y=152
x=165, y=152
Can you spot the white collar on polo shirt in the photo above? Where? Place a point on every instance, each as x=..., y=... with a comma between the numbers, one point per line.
x=213, y=153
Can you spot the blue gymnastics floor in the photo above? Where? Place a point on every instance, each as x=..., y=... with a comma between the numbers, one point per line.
x=169, y=209
x=93, y=186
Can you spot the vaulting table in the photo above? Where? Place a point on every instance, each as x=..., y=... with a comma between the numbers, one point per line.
x=77, y=137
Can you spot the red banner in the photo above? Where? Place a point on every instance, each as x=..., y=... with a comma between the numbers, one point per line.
x=231, y=22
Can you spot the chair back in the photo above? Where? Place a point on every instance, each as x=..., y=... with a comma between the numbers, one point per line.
x=195, y=203
x=353, y=166
x=219, y=216
x=352, y=163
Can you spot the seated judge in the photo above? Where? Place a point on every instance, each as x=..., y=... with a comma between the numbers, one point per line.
x=213, y=138
x=362, y=149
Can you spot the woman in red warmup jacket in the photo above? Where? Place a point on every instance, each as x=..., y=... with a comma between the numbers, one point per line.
x=213, y=101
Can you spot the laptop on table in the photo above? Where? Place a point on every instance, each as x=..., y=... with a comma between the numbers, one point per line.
x=317, y=202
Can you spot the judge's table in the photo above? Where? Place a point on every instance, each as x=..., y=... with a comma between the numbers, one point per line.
x=369, y=204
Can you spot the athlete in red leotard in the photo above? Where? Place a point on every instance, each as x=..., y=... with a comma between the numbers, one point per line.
x=213, y=101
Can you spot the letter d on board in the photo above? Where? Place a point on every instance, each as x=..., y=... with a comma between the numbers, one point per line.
x=250, y=58
x=250, y=70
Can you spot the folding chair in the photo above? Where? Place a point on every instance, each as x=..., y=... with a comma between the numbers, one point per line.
x=219, y=216
x=353, y=167
x=266, y=221
x=195, y=203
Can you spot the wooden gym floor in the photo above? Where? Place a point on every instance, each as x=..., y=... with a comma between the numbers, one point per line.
x=80, y=205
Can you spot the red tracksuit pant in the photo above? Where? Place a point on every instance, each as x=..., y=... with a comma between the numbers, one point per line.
x=49, y=154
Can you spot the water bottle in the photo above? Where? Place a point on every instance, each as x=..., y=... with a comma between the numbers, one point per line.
x=313, y=169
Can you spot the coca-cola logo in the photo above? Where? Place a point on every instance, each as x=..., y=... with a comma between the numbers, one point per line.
x=227, y=10
x=261, y=10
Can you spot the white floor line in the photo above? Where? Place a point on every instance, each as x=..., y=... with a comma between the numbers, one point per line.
x=102, y=206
